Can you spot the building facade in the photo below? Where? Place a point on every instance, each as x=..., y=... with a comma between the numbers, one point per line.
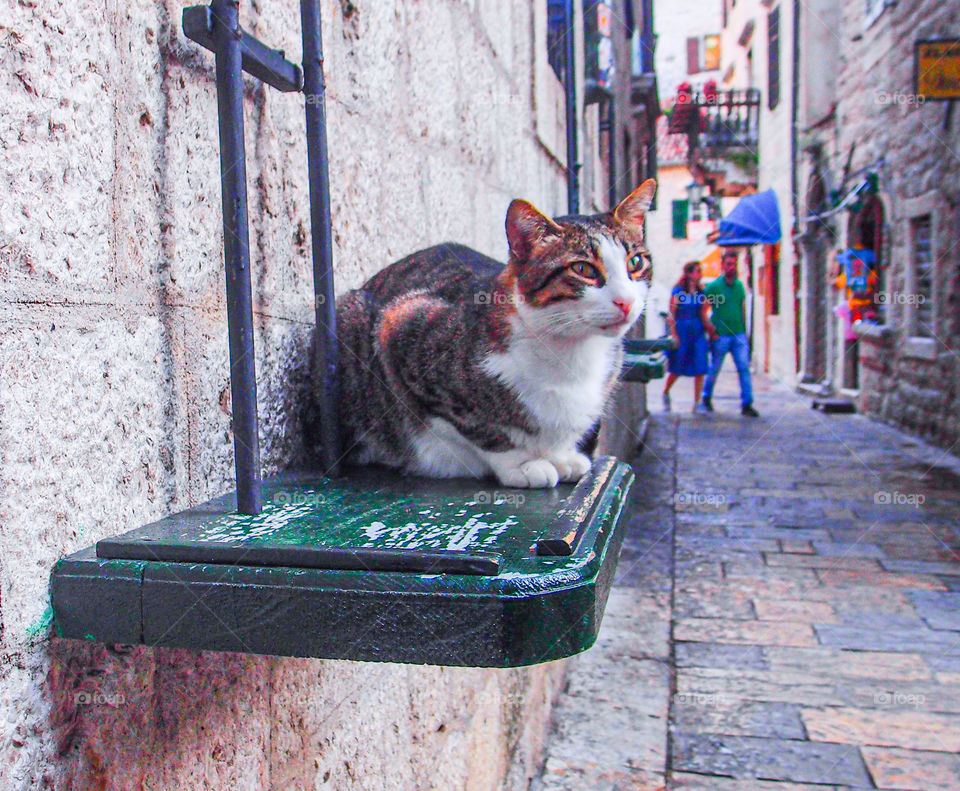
x=880, y=173
x=761, y=50
x=688, y=52
x=114, y=376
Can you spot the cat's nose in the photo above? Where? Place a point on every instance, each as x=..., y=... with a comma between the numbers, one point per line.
x=624, y=305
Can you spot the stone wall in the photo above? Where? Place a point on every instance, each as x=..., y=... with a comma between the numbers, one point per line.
x=909, y=381
x=114, y=381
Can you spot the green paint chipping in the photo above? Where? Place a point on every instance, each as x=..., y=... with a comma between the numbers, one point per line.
x=382, y=512
x=528, y=608
x=42, y=625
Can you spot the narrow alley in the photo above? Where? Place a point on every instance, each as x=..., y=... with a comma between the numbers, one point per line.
x=786, y=614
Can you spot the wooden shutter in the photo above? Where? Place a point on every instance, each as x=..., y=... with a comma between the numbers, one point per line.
x=693, y=55
x=773, y=55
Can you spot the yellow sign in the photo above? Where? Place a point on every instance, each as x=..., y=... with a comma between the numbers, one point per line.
x=938, y=69
x=710, y=266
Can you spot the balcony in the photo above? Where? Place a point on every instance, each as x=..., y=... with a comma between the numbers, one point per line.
x=719, y=125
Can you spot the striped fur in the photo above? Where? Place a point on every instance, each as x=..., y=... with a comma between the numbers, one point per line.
x=453, y=364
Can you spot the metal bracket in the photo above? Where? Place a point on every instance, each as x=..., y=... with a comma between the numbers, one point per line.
x=268, y=65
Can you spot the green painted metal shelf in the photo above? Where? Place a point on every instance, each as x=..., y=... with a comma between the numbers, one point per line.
x=374, y=566
x=644, y=359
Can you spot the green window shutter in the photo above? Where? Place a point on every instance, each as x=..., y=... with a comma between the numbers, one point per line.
x=681, y=213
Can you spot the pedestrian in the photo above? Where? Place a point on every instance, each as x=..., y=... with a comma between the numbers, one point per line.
x=689, y=324
x=728, y=301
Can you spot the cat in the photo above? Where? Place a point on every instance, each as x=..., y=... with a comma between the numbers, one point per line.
x=454, y=365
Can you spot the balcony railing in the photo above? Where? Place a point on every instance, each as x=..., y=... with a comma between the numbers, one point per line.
x=717, y=123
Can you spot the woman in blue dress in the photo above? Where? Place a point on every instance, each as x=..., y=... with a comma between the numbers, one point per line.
x=689, y=323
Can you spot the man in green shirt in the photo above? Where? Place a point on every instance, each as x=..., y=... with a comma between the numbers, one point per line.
x=728, y=299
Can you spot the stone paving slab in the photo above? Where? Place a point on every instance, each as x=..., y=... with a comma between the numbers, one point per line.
x=683, y=781
x=566, y=776
x=731, y=657
x=880, y=579
x=836, y=664
x=912, y=770
x=722, y=630
x=922, y=567
x=938, y=696
x=916, y=730
x=856, y=638
x=782, y=619
x=821, y=562
x=770, y=759
x=847, y=549
x=794, y=610
x=717, y=714
x=716, y=603
x=747, y=684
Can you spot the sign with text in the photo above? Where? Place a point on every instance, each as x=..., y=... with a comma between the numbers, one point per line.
x=938, y=69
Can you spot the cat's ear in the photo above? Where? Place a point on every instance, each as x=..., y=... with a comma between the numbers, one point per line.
x=526, y=228
x=634, y=207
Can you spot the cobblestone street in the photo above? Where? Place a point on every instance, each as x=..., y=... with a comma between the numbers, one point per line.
x=786, y=614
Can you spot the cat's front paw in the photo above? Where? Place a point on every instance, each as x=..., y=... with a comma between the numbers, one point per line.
x=536, y=474
x=571, y=466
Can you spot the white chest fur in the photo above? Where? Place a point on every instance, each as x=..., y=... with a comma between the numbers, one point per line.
x=561, y=383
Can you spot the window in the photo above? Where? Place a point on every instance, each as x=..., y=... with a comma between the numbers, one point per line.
x=711, y=53
x=923, y=277
x=773, y=54
x=556, y=37
x=598, y=50
x=703, y=53
x=681, y=213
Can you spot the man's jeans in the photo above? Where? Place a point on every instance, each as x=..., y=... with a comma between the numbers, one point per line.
x=738, y=346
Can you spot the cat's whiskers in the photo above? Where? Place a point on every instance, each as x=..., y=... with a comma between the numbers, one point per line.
x=449, y=371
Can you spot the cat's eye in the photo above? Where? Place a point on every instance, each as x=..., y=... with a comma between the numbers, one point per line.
x=586, y=270
x=639, y=266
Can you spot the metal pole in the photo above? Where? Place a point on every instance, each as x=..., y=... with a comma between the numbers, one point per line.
x=236, y=246
x=325, y=390
x=612, y=154
x=570, y=94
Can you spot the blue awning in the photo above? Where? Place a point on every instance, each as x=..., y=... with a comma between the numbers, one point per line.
x=754, y=220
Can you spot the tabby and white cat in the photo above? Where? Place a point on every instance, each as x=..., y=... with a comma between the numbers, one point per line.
x=452, y=364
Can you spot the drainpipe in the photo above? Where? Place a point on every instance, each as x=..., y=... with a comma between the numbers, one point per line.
x=794, y=180
x=570, y=94
x=796, y=112
x=612, y=139
x=648, y=40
